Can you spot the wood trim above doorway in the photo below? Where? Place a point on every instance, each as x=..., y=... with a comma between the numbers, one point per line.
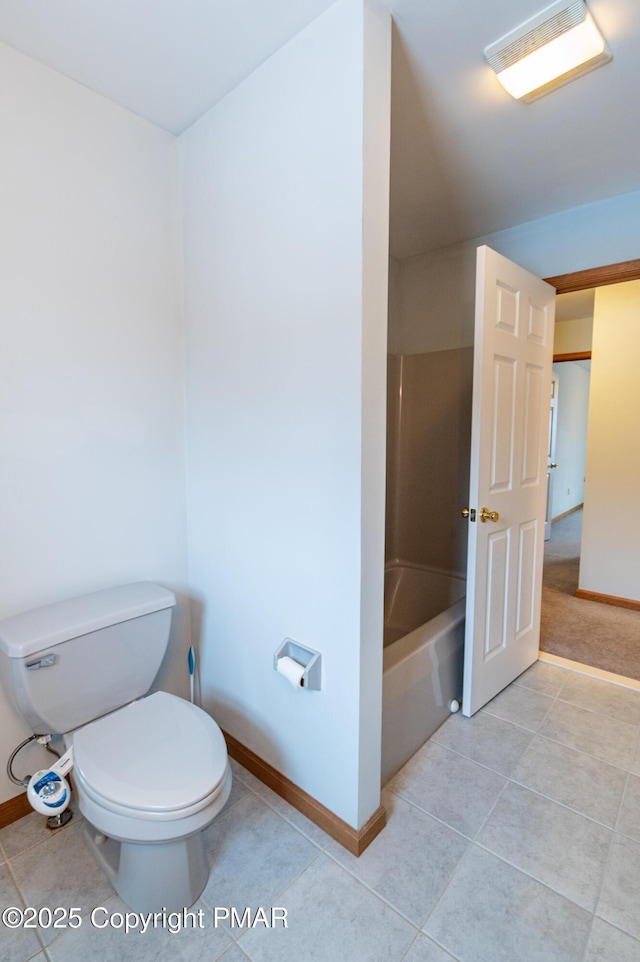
x=575, y=356
x=596, y=277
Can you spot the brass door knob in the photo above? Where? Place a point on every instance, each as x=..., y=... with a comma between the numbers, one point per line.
x=552, y=465
x=486, y=515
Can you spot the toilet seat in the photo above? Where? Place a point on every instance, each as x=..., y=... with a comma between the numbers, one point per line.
x=160, y=758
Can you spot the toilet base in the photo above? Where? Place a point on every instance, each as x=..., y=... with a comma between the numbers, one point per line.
x=151, y=877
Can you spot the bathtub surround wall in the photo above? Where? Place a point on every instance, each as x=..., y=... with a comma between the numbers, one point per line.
x=429, y=437
x=285, y=200
x=91, y=436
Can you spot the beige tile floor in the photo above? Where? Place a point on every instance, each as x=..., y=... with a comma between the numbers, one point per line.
x=513, y=836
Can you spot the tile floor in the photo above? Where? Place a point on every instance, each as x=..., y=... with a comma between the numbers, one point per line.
x=513, y=836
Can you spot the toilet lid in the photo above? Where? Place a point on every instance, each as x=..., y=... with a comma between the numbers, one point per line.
x=157, y=755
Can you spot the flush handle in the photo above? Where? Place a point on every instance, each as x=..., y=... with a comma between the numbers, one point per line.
x=45, y=662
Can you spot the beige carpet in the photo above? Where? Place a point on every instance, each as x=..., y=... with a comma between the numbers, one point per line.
x=599, y=635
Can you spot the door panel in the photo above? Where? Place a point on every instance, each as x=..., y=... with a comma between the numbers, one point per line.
x=512, y=370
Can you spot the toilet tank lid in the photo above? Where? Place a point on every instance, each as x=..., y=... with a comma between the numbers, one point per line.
x=33, y=631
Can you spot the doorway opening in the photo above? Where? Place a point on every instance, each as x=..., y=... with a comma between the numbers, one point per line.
x=602, y=635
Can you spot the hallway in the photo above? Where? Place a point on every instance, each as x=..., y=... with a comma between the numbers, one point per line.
x=594, y=634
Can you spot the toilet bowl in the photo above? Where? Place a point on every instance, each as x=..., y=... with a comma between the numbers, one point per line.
x=151, y=776
x=151, y=773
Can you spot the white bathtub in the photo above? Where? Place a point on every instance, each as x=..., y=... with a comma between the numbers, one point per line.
x=423, y=655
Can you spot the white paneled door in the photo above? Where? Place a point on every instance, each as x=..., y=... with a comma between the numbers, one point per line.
x=508, y=488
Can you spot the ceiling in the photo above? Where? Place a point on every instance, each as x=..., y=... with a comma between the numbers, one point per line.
x=466, y=159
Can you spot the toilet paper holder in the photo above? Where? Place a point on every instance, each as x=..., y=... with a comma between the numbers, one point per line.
x=311, y=661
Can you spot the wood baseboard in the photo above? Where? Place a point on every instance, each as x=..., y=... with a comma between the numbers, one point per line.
x=565, y=514
x=13, y=809
x=354, y=840
x=608, y=599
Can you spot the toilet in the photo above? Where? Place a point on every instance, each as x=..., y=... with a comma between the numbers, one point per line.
x=151, y=771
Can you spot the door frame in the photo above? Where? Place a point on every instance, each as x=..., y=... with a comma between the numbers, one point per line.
x=551, y=455
x=583, y=280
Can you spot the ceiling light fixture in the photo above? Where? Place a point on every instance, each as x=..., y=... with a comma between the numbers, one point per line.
x=560, y=43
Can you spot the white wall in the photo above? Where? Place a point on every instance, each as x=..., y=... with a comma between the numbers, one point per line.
x=610, y=561
x=571, y=434
x=286, y=321
x=91, y=411
x=435, y=291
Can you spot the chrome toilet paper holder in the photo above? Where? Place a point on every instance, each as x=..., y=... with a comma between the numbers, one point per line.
x=310, y=659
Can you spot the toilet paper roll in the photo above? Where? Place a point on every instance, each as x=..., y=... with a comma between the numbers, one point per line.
x=292, y=670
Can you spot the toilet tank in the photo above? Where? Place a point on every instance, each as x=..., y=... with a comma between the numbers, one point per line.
x=64, y=665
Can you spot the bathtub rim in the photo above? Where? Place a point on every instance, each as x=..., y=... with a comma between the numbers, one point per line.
x=402, y=649
x=400, y=563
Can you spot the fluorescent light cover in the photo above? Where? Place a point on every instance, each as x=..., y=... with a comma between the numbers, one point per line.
x=559, y=44
x=558, y=57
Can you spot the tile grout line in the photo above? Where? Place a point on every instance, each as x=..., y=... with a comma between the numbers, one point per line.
x=45, y=837
x=436, y=818
x=454, y=958
x=360, y=881
x=538, y=734
x=601, y=714
x=547, y=886
x=283, y=816
x=244, y=954
x=594, y=711
x=536, y=878
x=276, y=898
x=373, y=892
x=554, y=699
x=513, y=780
x=465, y=853
x=581, y=751
x=23, y=899
x=564, y=805
x=409, y=947
x=609, y=851
x=464, y=856
x=510, y=779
